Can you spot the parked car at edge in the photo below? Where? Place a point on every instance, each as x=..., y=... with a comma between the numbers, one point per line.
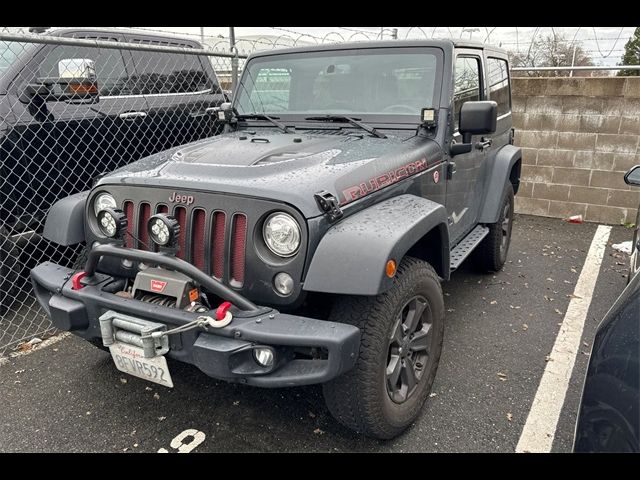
x=609, y=416
x=52, y=146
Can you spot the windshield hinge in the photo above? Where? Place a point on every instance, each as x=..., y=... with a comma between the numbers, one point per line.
x=329, y=204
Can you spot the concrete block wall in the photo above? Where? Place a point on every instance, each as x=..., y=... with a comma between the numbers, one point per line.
x=578, y=136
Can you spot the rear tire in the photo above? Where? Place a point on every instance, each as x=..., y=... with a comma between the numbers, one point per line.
x=491, y=254
x=402, y=331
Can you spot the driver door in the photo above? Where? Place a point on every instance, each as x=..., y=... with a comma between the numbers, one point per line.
x=464, y=189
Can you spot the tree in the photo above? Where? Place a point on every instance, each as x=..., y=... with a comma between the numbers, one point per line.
x=552, y=51
x=631, y=55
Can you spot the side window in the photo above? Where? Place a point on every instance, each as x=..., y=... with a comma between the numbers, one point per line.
x=498, y=82
x=158, y=72
x=110, y=69
x=466, y=83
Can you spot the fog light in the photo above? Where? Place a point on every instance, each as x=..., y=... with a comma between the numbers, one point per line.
x=283, y=283
x=163, y=229
x=112, y=222
x=264, y=356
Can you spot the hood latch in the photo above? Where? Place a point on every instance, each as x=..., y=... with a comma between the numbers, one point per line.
x=329, y=204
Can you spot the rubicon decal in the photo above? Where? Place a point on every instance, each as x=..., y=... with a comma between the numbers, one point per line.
x=158, y=285
x=383, y=180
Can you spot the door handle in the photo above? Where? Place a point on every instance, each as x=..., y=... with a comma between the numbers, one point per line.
x=132, y=115
x=483, y=144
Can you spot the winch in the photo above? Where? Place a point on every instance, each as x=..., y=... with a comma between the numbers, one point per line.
x=166, y=288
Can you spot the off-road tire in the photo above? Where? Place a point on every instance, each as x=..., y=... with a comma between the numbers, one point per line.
x=10, y=268
x=491, y=254
x=360, y=399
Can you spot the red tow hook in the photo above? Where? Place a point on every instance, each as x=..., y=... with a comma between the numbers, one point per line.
x=221, y=311
x=75, y=280
x=223, y=316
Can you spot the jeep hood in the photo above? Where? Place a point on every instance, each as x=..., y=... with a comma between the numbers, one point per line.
x=284, y=167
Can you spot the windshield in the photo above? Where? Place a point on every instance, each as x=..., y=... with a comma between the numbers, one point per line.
x=9, y=51
x=385, y=84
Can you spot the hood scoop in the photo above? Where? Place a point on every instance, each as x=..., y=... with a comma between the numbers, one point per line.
x=281, y=157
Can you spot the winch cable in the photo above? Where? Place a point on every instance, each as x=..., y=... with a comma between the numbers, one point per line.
x=223, y=318
x=139, y=241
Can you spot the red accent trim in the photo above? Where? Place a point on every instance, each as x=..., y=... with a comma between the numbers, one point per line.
x=217, y=256
x=181, y=216
x=373, y=184
x=238, y=241
x=128, y=211
x=75, y=280
x=221, y=311
x=143, y=232
x=197, y=238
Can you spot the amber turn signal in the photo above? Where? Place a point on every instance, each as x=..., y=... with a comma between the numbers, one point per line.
x=83, y=88
x=391, y=268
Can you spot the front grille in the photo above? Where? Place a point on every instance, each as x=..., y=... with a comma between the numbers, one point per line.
x=202, y=240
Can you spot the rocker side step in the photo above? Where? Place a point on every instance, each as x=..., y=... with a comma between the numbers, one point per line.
x=466, y=246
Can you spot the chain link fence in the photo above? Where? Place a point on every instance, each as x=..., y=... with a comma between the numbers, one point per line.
x=153, y=92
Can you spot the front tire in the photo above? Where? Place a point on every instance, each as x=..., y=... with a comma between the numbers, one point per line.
x=401, y=342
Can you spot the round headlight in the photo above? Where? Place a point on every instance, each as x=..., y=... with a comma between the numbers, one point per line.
x=282, y=234
x=103, y=201
x=112, y=223
x=163, y=229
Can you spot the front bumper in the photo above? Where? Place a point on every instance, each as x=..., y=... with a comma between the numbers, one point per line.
x=222, y=353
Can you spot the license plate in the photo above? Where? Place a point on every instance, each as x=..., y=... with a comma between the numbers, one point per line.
x=130, y=359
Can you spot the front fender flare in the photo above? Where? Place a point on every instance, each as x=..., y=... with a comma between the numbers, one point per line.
x=352, y=256
x=65, y=220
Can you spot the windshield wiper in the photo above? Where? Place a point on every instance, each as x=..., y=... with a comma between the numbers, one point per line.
x=262, y=116
x=351, y=120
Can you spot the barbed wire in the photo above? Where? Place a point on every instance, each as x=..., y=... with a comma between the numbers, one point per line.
x=598, y=45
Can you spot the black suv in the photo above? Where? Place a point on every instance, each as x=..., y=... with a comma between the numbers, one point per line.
x=305, y=244
x=52, y=146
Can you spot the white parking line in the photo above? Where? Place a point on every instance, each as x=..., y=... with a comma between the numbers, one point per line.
x=540, y=428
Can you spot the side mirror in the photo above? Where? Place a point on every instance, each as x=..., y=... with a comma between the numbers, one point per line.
x=76, y=82
x=477, y=118
x=632, y=177
x=77, y=78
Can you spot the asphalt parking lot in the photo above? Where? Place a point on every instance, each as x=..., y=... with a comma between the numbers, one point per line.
x=69, y=397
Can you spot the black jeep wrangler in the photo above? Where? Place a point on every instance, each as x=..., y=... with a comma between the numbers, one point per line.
x=305, y=244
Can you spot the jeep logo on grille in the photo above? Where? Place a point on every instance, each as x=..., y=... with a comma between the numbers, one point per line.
x=177, y=198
